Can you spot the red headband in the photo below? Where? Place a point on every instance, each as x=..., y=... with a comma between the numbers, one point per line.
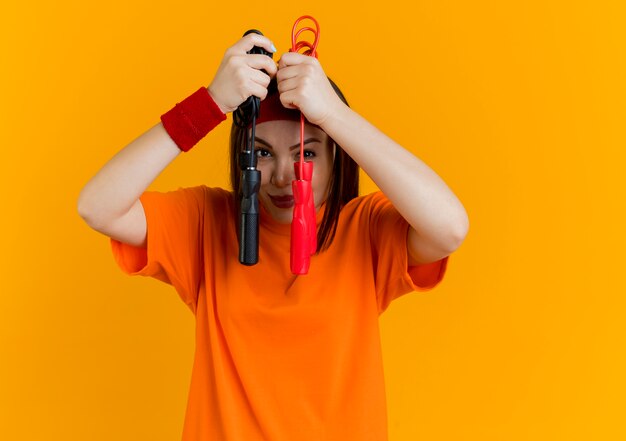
x=273, y=110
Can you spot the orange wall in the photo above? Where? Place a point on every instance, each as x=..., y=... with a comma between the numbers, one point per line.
x=518, y=106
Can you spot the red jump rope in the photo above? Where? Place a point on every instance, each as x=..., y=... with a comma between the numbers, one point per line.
x=303, y=226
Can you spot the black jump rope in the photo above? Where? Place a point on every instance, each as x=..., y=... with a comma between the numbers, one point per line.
x=246, y=115
x=303, y=226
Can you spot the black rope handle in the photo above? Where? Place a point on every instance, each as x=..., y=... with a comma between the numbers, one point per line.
x=245, y=115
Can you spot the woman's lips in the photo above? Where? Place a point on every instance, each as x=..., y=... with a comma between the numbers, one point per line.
x=282, y=201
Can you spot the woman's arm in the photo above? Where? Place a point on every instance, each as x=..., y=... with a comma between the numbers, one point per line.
x=109, y=202
x=439, y=222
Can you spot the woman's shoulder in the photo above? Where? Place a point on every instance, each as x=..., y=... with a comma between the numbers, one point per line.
x=216, y=197
x=204, y=191
x=365, y=202
x=212, y=198
x=216, y=192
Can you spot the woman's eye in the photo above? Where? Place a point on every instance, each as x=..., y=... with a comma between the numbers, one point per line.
x=307, y=154
x=262, y=153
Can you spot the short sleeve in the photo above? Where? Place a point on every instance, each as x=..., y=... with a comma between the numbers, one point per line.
x=393, y=277
x=173, y=252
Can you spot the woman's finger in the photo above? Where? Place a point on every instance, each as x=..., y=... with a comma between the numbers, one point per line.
x=260, y=78
x=258, y=61
x=292, y=58
x=288, y=99
x=287, y=72
x=287, y=85
x=257, y=90
x=253, y=39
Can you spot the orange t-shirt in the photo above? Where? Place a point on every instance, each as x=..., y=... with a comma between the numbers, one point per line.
x=280, y=357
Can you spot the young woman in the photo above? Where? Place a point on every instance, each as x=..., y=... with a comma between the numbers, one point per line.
x=280, y=356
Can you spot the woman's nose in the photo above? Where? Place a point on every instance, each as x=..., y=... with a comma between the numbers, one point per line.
x=283, y=174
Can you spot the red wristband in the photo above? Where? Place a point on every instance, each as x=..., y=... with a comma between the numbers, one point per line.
x=190, y=120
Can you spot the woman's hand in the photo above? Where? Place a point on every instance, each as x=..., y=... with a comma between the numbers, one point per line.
x=303, y=85
x=239, y=75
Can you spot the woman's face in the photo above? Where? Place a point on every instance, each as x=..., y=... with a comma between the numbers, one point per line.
x=277, y=146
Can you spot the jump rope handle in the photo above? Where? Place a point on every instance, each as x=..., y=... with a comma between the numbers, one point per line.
x=303, y=228
x=246, y=114
x=303, y=225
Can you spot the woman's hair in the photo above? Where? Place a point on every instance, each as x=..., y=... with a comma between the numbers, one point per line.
x=344, y=180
